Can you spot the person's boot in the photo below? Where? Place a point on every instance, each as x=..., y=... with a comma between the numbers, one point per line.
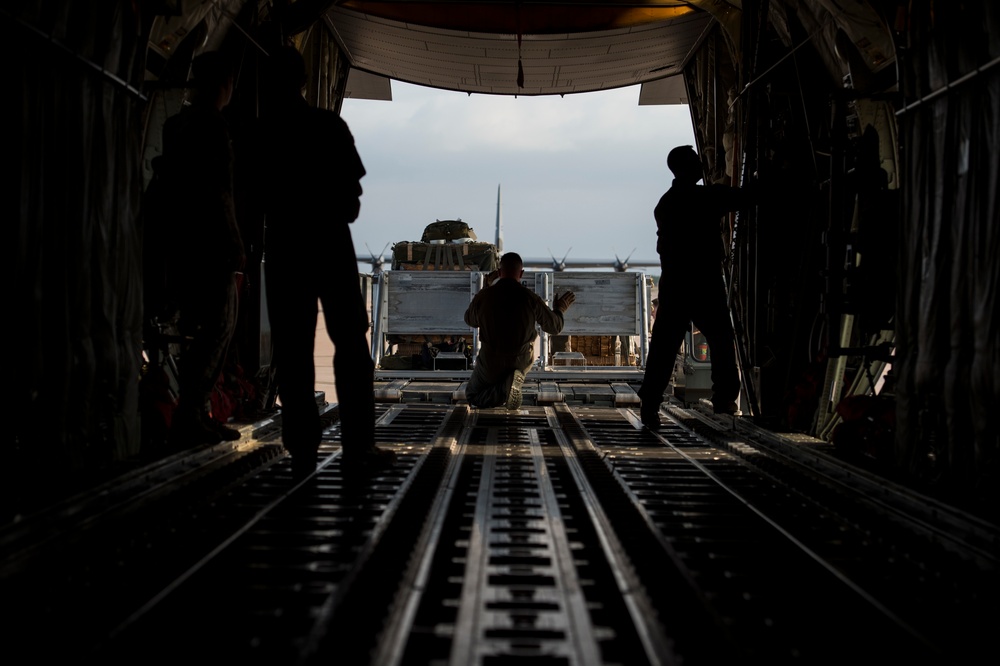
x=303, y=460
x=366, y=459
x=190, y=428
x=514, y=395
x=222, y=430
x=649, y=414
x=303, y=465
x=726, y=407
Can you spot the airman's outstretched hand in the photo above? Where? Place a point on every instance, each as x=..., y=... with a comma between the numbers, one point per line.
x=492, y=277
x=563, y=302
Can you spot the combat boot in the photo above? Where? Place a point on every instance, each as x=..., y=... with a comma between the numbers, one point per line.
x=514, y=395
x=649, y=414
x=366, y=459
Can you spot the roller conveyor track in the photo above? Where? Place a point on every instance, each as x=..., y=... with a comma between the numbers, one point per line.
x=317, y=555
x=520, y=565
x=755, y=534
x=553, y=535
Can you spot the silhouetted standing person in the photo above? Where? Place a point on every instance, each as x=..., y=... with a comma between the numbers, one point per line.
x=506, y=312
x=205, y=251
x=692, y=287
x=312, y=192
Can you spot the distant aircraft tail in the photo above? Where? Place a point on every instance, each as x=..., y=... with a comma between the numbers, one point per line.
x=498, y=239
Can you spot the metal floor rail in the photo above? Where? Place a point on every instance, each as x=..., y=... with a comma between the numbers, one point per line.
x=556, y=534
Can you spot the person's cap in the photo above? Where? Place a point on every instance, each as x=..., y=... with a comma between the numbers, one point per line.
x=211, y=69
x=289, y=67
x=679, y=157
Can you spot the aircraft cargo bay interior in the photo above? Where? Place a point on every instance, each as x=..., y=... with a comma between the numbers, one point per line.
x=756, y=424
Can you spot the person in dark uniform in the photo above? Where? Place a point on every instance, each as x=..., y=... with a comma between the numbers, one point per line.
x=311, y=193
x=692, y=287
x=506, y=312
x=205, y=253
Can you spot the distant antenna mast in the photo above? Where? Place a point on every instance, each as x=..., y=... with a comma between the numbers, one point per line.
x=499, y=238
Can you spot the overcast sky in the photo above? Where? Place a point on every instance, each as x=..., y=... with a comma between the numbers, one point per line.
x=581, y=171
